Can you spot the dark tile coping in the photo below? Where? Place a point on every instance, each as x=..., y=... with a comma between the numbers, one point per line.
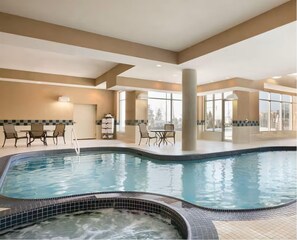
x=28, y=122
x=191, y=221
x=190, y=224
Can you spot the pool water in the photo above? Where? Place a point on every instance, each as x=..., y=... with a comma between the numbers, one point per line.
x=253, y=180
x=101, y=224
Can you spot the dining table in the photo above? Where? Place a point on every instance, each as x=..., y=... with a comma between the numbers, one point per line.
x=161, y=135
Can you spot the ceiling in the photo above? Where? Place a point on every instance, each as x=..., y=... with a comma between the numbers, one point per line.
x=33, y=60
x=168, y=24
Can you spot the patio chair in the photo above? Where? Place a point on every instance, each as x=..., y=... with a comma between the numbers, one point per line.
x=58, y=132
x=37, y=131
x=169, y=126
x=11, y=133
x=145, y=134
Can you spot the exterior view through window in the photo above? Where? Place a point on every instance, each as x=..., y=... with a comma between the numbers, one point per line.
x=122, y=104
x=275, y=111
x=164, y=108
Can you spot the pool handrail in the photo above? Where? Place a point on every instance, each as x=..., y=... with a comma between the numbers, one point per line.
x=74, y=141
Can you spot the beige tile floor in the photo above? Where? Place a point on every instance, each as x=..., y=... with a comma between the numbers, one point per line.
x=272, y=228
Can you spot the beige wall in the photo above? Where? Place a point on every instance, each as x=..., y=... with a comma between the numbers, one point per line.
x=37, y=101
x=130, y=105
x=141, y=105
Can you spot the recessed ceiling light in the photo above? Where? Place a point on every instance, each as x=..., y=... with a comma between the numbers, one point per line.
x=276, y=77
x=159, y=65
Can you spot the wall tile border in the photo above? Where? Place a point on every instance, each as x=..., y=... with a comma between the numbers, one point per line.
x=28, y=122
x=135, y=122
x=244, y=123
x=200, y=122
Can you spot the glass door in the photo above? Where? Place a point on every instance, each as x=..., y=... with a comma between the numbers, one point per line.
x=228, y=113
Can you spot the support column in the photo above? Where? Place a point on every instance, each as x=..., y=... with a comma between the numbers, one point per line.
x=189, y=124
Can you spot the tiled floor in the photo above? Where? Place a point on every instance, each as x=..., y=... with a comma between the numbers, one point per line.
x=275, y=228
x=283, y=227
x=203, y=146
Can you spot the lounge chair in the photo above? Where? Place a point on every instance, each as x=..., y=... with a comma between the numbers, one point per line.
x=11, y=133
x=37, y=131
x=58, y=132
x=169, y=126
x=145, y=134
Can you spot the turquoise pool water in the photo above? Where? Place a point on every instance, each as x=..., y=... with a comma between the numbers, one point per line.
x=252, y=180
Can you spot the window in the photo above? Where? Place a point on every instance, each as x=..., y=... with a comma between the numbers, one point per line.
x=287, y=112
x=164, y=108
x=275, y=112
x=122, y=111
x=264, y=115
x=213, y=112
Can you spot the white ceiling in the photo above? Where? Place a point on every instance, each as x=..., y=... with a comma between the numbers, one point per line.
x=168, y=24
x=263, y=56
x=33, y=60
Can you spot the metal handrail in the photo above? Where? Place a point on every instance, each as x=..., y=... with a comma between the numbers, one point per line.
x=74, y=141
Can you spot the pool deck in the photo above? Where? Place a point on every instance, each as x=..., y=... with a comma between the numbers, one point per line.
x=278, y=224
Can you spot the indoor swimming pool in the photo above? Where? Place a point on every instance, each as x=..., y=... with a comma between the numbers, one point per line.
x=244, y=181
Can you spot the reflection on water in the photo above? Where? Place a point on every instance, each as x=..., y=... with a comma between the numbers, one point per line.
x=243, y=181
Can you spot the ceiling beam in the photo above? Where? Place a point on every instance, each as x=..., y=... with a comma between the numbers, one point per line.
x=51, y=32
x=45, y=77
x=136, y=83
x=276, y=17
x=112, y=74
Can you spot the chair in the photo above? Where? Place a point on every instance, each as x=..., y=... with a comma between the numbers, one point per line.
x=58, y=132
x=11, y=133
x=145, y=134
x=169, y=126
x=37, y=131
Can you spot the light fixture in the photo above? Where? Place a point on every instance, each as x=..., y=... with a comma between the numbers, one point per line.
x=64, y=99
x=232, y=97
x=276, y=77
x=159, y=65
x=292, y=74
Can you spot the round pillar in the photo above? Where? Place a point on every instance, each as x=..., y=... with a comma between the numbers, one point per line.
x=189, y=122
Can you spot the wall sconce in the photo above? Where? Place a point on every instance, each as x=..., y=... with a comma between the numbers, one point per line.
x=232, y=97
x=64, y=99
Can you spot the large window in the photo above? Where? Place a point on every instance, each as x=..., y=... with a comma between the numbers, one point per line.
x=213, y=112
x=275, y=112
x=122, y=111
x=164, y=108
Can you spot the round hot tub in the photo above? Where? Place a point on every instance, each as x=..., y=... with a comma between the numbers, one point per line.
x=100, y=224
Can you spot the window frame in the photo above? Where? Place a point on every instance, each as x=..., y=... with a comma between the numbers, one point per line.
x=122, y=120
x=214, y=99
x=281, y=102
